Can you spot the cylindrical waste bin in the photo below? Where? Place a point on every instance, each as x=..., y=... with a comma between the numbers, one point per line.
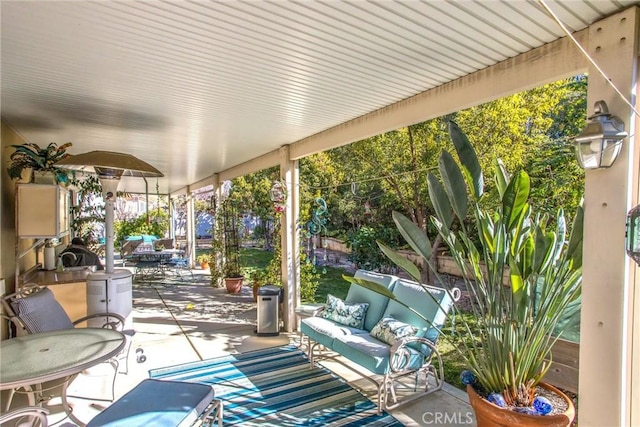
x=269, y=298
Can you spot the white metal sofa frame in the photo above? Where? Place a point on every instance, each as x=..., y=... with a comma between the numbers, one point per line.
x=34, y=309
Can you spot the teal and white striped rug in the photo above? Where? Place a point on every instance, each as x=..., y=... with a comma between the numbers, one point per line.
x=276, y=387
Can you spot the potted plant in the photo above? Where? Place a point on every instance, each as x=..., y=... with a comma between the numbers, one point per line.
x=258, y=278
x=204, y=260
x=508, y=351
x=40, y=161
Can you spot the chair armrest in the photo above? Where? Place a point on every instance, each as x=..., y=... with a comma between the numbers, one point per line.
x=28, y=411
x=117, y=323
x=400, y=355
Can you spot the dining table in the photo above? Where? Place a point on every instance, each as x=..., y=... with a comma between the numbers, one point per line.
x=150, y=263
x=29, y=361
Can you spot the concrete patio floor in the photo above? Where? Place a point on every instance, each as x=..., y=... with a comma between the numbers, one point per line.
x=184, y=321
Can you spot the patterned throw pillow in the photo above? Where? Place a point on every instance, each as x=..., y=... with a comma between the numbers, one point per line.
x=389, y=329
x=349, y=314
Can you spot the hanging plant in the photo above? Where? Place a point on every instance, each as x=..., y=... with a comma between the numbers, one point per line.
x=32, y=156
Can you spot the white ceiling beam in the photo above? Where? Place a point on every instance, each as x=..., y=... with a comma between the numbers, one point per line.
x=548, y=63
x=265, y=161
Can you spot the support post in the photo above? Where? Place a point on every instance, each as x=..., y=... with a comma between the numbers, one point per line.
x=289, y=172
x=608, y=386
x=190, y=229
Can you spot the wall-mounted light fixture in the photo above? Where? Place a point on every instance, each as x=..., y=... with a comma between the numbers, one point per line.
x=633, y=234
x=600, y=141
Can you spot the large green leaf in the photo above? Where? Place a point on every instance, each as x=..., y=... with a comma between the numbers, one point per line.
x=574, y=250
x=400, y=261
x=501, y=176
x=414, y=235
x=375, y=287
x=515, y=199
x=440, y=201
x=544, y=250
x=468, y=159
x=454, y=184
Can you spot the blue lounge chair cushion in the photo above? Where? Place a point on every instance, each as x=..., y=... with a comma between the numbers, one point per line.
x=157, y=403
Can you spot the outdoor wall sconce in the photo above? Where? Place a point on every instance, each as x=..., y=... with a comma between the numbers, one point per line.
x=110, y=167
x=633, y=234
x=599, y=143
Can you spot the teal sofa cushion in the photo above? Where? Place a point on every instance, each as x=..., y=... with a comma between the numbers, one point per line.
x=433, y=305
x=377, y=303
x=371, y=353
x=324, y=331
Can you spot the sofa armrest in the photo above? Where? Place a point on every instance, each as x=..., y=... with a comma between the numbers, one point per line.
x=310, y=310
x=400, y=355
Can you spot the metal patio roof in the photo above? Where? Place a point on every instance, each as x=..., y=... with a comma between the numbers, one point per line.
x=195, y=88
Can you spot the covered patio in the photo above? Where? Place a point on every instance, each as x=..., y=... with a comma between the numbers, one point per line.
x=179, y=322
x=207, y=92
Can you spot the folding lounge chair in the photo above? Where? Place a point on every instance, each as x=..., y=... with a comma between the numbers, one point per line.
x=35, y=309
x=161, y=403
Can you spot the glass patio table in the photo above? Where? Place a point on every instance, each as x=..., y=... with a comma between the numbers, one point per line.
x=31, y=360
x=150, y=263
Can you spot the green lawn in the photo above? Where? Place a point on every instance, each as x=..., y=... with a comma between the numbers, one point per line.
x=332, y=283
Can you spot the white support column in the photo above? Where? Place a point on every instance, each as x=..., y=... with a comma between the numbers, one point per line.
x=190, y=229
x=608, y=388
x=172, y=219
x=289, y=239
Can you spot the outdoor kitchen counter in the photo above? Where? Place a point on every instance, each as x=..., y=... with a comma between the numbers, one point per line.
x=53, y=277
x=69, y=288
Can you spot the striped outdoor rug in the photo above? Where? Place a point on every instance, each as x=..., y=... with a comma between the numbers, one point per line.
x=276, y=387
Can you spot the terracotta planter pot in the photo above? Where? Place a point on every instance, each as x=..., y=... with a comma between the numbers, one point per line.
x=233, y=284
x=490, y=415
x=204, y=265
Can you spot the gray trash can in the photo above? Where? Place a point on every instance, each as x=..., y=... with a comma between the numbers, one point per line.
x=269, y=299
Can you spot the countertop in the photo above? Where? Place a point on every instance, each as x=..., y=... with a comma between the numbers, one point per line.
x=53, y=277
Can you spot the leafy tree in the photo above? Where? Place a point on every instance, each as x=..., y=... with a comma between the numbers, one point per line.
x=87, y=214
x=368, y=179
x=158, y=225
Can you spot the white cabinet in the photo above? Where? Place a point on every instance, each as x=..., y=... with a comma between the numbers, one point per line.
x=42, y=211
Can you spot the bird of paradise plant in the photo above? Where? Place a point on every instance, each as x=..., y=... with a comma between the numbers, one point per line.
x=509, y=349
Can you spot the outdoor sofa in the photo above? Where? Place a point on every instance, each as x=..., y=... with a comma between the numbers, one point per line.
x=378, y=333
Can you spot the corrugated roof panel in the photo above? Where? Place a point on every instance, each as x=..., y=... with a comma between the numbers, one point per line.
x=197, y=87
